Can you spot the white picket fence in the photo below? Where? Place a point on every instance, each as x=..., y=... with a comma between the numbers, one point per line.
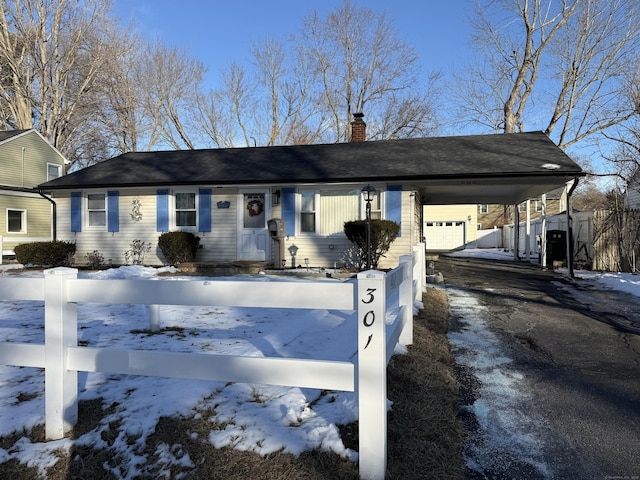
x=370, y=295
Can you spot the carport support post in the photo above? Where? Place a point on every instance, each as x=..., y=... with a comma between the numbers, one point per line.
x=60, y=332
x=543, y=234
x=516, y=232
x=372, y=375
x=527, y=234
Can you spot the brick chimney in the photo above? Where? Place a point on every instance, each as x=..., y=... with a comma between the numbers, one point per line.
x=358, y=128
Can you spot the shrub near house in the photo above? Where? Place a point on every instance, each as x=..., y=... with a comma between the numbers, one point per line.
x=179, y=247
x=46, y=254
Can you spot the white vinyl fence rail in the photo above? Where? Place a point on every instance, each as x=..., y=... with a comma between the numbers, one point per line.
x=369, y=295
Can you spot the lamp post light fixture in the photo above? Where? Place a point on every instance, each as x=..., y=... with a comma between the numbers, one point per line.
x=369, y=193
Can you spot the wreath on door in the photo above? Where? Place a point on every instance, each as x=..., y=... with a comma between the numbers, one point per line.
x=255, y=207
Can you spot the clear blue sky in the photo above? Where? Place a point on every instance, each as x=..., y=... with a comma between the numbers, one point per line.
x=218, y=32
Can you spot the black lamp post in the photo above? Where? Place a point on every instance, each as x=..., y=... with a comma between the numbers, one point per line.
x=369, y=193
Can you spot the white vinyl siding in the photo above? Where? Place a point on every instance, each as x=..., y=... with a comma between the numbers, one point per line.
x=336, y=208
x=217, y=246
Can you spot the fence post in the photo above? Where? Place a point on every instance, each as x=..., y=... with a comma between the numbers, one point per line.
x=406, y=298
x=61, y=331
x=372, y=375
x=420, y=270
x=154, y=318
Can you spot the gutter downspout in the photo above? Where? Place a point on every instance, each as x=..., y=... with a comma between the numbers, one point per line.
x=570, y=229
x=54, y=215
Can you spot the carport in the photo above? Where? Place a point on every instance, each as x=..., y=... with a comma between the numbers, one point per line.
x=498, y=169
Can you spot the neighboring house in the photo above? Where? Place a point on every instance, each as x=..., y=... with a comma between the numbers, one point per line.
x=227, y=196
x=449, y=227
x=491, y=215
x=27, y=161
x=632, y=193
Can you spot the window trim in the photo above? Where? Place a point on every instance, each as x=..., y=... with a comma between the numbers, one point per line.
x=315, y=211
x=538, y=206
x=58, y=167
x=317, y=192
x=88, y=211
x=382, y=202
x=484, y=208
x=173, y=210
x=23, y=221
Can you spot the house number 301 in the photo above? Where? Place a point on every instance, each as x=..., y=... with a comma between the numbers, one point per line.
x=370, y=316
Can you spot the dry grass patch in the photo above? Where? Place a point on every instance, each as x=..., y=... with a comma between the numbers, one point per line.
x=424, y=432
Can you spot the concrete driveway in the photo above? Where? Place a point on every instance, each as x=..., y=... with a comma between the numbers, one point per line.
x=550, y=372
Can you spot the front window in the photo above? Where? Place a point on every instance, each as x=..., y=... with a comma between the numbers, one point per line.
x=53, y=171
x=97, y=209
x=376, y=208
x=186, y=209
x=307, y=212
x=484, y=208
x=538, y=205
x=324, y=212
x=16, y=221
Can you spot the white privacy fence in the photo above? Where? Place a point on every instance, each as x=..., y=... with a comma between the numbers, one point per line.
x=373, y=295
x=582, y=235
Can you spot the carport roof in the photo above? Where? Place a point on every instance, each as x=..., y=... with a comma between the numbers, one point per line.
x=499, y=168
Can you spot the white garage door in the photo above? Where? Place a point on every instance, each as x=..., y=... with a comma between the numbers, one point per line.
x=444, y=235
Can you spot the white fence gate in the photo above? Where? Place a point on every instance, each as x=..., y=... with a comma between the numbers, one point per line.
x=369, y=295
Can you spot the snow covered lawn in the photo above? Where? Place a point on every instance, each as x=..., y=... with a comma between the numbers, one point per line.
x=258, y=418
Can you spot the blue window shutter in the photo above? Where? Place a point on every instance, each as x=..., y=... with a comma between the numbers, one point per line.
x=394, y=205
x=289, y=210
x=162, y=211
x=76, y=211
x=204, y=210
x=113, y=218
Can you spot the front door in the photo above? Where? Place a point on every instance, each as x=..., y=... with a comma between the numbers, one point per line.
x=253, y=236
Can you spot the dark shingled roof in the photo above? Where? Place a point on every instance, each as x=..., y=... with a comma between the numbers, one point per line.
x=7, y=134
x=409, y=159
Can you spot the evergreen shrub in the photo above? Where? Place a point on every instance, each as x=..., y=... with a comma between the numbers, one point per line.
x=56, y=253
x=179, y=247
x=383, y=233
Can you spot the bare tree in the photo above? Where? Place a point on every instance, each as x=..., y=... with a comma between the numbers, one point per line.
x=171, y=81
x=624, y=157
x=363, y=66
x=287, y=107
x=224, y=113
x=53, y=52
x=567, y=57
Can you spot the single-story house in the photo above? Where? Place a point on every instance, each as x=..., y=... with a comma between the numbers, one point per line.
x=28, y=160
x=227, y=196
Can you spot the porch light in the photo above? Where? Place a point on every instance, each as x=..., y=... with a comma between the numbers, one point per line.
x=369, y=192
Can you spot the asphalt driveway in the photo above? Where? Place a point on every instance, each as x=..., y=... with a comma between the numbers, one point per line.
x=569, y=361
